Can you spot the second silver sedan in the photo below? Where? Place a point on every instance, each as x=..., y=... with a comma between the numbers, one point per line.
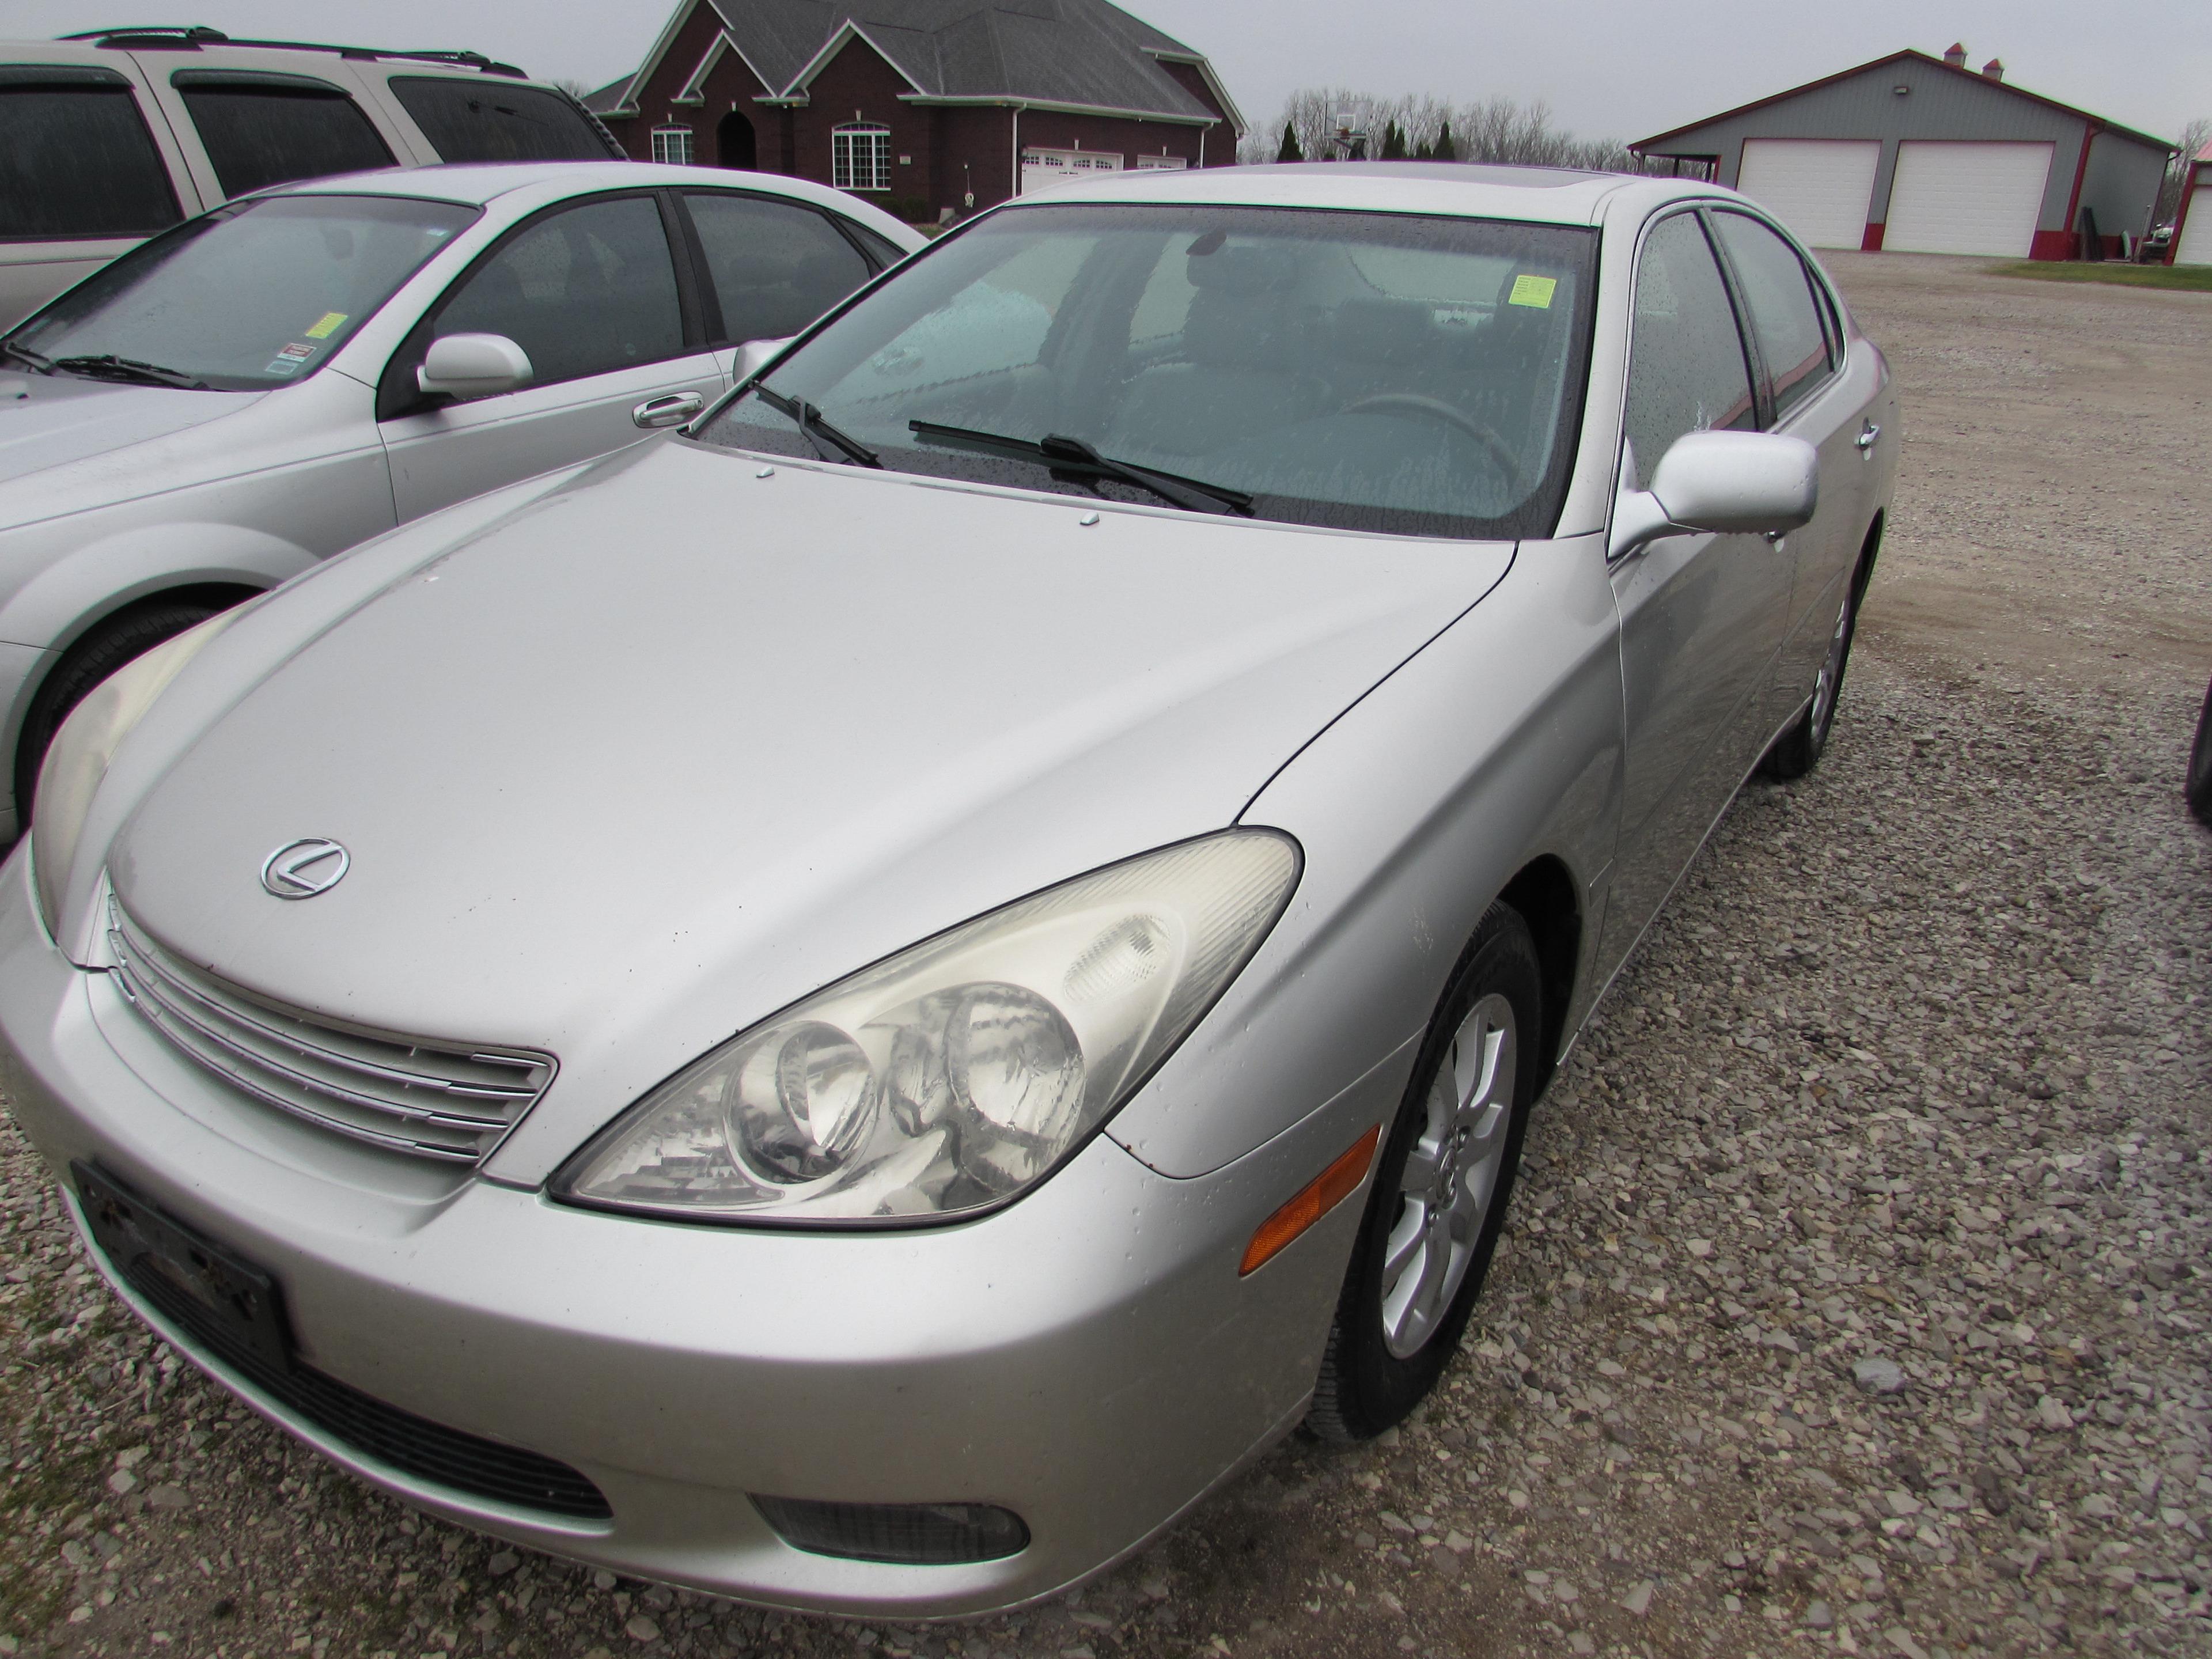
x=302, y=369
x=853, y=1006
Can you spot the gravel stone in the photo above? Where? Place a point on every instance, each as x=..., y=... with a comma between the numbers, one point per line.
x=1879, y=1376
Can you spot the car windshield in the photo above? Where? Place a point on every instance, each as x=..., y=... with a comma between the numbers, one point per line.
x=256, y=295
x=1409, y=374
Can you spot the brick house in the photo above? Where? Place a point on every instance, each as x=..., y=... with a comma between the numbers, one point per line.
x=922, y=104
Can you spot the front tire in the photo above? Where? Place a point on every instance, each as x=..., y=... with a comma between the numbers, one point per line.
x=1798, y=750
x=1440, y=1191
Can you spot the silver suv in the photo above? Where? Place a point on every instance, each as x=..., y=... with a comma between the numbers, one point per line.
x=107, y=137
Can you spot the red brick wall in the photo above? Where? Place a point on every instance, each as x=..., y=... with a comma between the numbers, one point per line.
x=1220, y=141
x=859, y=85
x=981, y=138
x=730, y=84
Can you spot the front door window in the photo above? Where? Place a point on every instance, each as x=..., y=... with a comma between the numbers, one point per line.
x=1686, y=368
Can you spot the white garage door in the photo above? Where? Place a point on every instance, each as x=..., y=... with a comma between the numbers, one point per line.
x=2197, y=234
x=1967, y=198
x=1818, y=187
x=1043, y=168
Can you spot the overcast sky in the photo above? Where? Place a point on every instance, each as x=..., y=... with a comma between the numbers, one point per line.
x=1608, y=68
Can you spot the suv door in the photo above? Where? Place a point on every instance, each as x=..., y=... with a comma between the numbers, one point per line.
x=245, y=128
x=1701, y=615
x=482, y=117
x=594, y=297
x=1800, y=346
x=88, y=171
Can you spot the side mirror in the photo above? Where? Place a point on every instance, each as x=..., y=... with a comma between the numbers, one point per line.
x=472, y=365
x=753, y=355
x=1724, y=483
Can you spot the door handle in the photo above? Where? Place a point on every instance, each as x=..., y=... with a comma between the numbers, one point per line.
x=673, y=410
x=1865, y=440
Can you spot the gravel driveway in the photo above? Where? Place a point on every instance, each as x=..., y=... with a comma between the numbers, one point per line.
x=1857, y=1290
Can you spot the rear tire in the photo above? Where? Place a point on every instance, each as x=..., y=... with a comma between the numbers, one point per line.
x=125, y=636
x=1440, y=1191
x=2198, y=788
x=1798, y=750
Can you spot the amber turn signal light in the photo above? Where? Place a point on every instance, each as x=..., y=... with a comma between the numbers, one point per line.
x=1328, y=1189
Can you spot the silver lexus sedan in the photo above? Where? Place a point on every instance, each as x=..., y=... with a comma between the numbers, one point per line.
x=856, y=1004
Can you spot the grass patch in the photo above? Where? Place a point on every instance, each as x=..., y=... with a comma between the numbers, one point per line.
x=2188, y=279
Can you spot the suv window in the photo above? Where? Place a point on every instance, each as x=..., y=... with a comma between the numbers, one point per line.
x=1687, y=369
x=268, y=129
x=484, y=121
x=584, y=291
x=1785, y=314
x=777, y=266
x=75, y=159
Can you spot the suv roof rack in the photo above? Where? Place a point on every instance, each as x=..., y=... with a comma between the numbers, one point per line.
x=165, y=36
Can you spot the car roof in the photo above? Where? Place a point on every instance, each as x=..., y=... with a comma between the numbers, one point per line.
x=1477, y=190
x=540, y=184
x=481, y=183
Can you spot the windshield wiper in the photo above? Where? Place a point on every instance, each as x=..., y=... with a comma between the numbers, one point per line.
x=107, y=366
x=810, y=422
x=44, y=364
x=1065, y=454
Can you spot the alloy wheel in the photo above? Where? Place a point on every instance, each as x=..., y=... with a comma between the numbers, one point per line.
x=1831, y=675
x=1451, y=1176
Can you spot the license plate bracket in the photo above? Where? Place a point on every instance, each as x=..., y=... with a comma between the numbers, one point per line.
x=242, y=1301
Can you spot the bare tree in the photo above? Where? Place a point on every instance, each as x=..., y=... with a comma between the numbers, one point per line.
x=2193, y=137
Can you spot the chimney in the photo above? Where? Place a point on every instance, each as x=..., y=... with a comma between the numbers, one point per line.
x=1994, y=69
x=1956, y=57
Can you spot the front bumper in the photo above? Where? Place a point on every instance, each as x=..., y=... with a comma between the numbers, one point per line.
x=1087, y=1358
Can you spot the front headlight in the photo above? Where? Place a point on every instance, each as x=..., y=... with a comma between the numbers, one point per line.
x=952, y=1076
x=77, y=758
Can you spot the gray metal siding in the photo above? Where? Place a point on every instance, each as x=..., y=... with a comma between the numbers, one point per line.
x=2121, y=184
x=1942, y=104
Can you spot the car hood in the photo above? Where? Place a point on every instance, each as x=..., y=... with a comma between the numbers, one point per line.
x=52, y=419
x=674, y=745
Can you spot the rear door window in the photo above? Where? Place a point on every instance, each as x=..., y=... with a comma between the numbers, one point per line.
x=774, y=266
x=262, y=128
x=1785, y=312
x=486, y=121
x=76, y=162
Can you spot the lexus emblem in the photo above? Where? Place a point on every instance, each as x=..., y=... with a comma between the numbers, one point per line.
x=301, y=869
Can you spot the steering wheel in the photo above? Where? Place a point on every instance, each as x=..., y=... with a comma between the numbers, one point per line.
x=1437, y=409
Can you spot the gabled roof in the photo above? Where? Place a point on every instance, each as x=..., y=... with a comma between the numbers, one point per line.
x=1079, y=54
x=1909, y=55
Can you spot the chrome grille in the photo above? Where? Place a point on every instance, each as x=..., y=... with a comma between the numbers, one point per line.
x=434, y=1100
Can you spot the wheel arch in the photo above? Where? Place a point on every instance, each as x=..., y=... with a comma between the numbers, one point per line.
x=1546, y=895
x=1869, y=549
x=96, y=581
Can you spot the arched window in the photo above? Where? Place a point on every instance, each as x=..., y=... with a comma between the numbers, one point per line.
x=860, y=156
x=672, y=145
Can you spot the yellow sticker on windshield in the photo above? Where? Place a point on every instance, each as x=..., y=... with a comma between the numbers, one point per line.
x=332, y=321
x=1535, y=291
